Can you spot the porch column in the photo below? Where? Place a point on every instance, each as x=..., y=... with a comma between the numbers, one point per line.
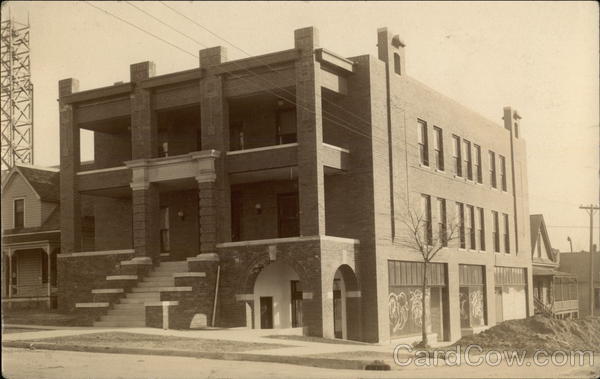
x=146, y=223
x=214, y=197
x=144, y=130
x=49, y=268
x=310, y=134
x=70, y=200
x=207, y=216
x=10, y=270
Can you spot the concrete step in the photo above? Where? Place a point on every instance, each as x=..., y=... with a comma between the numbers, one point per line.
x=119, y=324
x=126, y=313
x=160, y=289
x=137, y=306
x=161, y=283
x=148, y=296
x=160, y=275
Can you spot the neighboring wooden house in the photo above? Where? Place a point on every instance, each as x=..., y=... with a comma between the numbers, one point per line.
x=30, y=236
x=554, y=292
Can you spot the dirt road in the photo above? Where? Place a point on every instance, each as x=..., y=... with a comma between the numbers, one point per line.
x=22, y=363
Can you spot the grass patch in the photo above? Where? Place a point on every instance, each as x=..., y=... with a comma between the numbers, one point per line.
x=38, y=317
x=148, y=341
x=315, y=339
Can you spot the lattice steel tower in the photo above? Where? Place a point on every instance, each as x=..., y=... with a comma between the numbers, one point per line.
x=17, y=95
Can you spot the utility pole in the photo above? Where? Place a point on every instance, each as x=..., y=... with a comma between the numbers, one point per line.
x=591, y=210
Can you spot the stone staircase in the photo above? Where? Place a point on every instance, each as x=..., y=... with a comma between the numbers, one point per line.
x=130, y=311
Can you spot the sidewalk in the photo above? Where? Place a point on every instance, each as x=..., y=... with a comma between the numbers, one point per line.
x=296, y=351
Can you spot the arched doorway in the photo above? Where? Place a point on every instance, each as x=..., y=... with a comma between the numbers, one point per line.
x=346, y=304
x=277, y=298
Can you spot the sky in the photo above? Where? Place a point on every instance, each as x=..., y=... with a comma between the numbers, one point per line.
x=541, y=58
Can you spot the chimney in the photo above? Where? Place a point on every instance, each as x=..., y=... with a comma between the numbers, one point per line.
x=390, y=49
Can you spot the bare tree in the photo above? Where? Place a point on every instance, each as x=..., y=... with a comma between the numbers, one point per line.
x=420, y=237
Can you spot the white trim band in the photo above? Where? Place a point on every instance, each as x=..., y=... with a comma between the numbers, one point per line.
x=189, y=275
x=108, y=290
x=122, y=277
x=265, y=148
x=100, y=170
x=95, y=253
x=92, y=305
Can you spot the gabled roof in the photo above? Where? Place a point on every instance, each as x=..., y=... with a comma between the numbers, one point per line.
x=538, y=227
x=45, y=182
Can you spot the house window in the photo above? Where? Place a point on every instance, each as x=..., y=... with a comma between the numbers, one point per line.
x=493, y=169
x=478, y=163
x=495, y=232
x=397, y=67
x=457, y=157
x=481, y=229
x=427, y=226
x=19, y=213
x=442, y=222
x=539, y=245
x=506, y=234
x=502, y=172
x=471, y=226
x=460, y=213
x=439, y=148
x=423, y=143
x=468, y=161
x=516, y=130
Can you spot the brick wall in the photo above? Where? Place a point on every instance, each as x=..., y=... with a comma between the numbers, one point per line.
x=78, y=275
x=113, y=223
x=111, y=149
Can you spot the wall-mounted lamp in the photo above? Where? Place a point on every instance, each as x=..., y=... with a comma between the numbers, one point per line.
x=258, y=208
x=181, y=215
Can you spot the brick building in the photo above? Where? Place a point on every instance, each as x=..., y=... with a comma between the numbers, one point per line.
x=272, y=192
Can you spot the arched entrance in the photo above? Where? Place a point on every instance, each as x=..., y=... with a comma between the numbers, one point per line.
x=346, y=304
x=277, y=298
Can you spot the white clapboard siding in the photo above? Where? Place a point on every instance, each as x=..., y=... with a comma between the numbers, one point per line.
x=18, y=188
x=29, y=266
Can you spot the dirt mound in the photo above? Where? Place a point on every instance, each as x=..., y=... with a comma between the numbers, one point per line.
x=539, y=332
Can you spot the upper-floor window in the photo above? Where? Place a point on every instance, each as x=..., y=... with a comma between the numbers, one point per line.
x=423, y=142
x=468, y=160
x=397, y=63
x=506, y=235
x=516, y=130
x=493, y=169
x=502, y=172
x=471, y=226
x=478, y=163
x=481, y=229
x=442, y=222
x=460, y=212
x=426, y=217
x=457, y=156
x=496, y=232
x=439, y=148
x=19, y=213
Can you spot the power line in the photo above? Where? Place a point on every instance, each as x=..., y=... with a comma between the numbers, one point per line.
x=230, y=72
x=326, y=115
x=141, y=29
x=264, y=63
